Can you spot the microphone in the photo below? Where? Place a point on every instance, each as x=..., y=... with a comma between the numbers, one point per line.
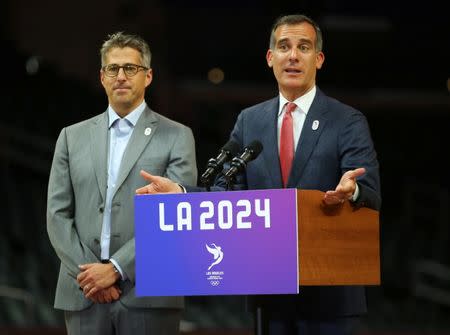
x=230, y=149
x=239, y=163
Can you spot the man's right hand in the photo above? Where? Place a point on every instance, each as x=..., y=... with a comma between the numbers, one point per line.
x=158, y=185
x=107, y=295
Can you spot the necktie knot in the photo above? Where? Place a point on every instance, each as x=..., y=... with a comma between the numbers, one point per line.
x=290, y=107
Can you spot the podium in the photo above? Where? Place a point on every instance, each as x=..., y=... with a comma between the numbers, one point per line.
x=338, y=246
x=251, y=242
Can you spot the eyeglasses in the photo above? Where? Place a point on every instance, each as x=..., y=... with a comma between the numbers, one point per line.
x=112, y=70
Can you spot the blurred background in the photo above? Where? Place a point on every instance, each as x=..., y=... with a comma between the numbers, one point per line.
x=386, y=58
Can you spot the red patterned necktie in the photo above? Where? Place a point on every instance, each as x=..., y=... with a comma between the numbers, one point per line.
x=287, y=143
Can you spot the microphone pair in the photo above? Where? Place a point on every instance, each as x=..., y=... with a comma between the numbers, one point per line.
x=238, y=162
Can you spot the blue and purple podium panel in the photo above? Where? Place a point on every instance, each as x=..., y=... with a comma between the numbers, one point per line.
x=217, y=243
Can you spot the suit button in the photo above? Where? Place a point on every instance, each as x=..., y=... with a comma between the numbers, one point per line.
x=96, y=241
x=101, y=209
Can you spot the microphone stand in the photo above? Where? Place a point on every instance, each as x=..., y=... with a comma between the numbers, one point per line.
x=259, y=321
x=206, y=178
x=207, y=184
x=230, y=183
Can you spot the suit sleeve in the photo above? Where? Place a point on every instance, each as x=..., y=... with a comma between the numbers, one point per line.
x=182, y=166
x=61, y=226
x=357, y=150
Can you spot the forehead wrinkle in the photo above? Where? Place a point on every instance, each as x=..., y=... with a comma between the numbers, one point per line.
x=299, y=31
x=122, y=64
x=123, y=56
x=282, y=40
x=301, y=40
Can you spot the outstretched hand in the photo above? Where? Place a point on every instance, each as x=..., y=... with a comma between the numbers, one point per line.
x=157, y=185
x=345, y=189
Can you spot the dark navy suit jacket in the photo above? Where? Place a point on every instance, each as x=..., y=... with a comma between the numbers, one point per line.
x=340, y=143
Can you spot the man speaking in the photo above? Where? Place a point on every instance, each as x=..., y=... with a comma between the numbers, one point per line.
x=310, y=141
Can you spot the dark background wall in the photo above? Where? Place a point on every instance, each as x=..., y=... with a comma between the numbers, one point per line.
x=387, y=58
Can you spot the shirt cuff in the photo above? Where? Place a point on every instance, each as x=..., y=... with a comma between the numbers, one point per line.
x=355, y=195
x=117, y=266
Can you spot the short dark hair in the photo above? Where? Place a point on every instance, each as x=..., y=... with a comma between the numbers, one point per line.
x=122, y=40
x=293, y=20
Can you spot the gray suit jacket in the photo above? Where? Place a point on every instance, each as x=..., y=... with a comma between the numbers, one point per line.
x=77, y=193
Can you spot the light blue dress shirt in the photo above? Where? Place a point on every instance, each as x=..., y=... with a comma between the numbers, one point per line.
x=120, y=131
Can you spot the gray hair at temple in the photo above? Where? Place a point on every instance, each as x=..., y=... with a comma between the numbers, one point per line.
x=121, y=40
x=291, y=20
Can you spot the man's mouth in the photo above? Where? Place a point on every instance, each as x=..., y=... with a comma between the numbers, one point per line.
x=292, y=70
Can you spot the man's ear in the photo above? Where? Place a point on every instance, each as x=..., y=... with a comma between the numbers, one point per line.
x=269, y=56
x=148, y=77
x=320, y=58
x=102, y=77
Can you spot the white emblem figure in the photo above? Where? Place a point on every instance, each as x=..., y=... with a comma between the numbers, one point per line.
x=217, y=252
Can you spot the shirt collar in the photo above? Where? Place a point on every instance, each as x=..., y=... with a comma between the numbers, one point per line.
x=132, y=117
x=304, y=102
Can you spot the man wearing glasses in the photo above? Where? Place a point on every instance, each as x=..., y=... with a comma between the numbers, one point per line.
x=90, y=214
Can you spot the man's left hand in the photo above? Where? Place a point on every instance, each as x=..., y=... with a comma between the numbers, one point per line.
x=345, y=189
x=95, y=277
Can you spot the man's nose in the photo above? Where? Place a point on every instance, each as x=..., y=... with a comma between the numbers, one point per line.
x=121, y=74
x=293, y=54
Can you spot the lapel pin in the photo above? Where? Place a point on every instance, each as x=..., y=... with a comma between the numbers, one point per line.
x=147, y=131
x=315, y=125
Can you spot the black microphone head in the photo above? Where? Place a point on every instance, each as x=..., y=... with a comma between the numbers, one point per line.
x=256, y=148
x=238, y=164
x=231, y=147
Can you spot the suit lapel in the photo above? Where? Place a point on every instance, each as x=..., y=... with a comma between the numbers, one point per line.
x=315, y=123
x=137, y=144
x=268, y=120
x=99, y=151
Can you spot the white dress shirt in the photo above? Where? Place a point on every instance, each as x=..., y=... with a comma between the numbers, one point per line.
x=120, y=131
x=298, y=115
